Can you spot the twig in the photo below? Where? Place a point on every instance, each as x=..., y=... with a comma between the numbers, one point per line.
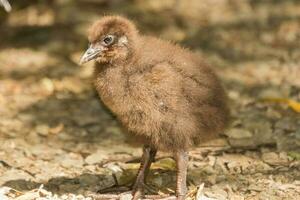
x=5, y=5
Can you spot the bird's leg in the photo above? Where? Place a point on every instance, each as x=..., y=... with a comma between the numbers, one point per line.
x=181, y=158
x=147, y=158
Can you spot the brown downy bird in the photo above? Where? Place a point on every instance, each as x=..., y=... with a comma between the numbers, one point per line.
x=164, y=95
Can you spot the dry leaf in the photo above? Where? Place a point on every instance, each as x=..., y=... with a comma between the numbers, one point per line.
x=294, y=105
x=200, y=192
x=57, y=129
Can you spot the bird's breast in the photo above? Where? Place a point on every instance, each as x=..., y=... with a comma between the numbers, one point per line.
x=116, y=90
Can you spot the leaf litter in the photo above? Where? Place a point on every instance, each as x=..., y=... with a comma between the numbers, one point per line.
x=58, y=142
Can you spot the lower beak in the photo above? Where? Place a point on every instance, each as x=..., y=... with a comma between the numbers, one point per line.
x=90, y=54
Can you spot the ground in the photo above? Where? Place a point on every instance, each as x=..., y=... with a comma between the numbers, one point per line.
x=58, y=142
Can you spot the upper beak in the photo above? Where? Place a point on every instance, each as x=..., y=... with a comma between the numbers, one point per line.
x=90, y=54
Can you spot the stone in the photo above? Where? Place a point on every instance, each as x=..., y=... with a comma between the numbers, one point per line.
x=126, y=196
x=286, y=124
x=238, y=133
x=70, y=160
x=14, y=174
x=88, y=179
x=96, y=157
x=273, y=158
x=243, y=143
x=42, y=129
x=69, y=187
x=105, y=181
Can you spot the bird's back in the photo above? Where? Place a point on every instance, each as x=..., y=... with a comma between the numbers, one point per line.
x=201, y=92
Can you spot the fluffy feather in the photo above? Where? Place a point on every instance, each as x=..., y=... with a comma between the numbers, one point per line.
x=164, y=95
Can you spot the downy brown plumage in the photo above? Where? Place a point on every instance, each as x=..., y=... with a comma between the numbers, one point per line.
x=164, y=95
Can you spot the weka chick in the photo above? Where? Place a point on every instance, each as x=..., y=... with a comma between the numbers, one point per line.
x=161, y=93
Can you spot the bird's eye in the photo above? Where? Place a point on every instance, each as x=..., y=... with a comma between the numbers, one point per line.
x=108, y=39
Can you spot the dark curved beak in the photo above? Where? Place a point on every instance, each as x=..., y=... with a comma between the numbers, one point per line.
x=90, y=54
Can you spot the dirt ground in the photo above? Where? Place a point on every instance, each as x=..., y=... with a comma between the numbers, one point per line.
x=58, y=142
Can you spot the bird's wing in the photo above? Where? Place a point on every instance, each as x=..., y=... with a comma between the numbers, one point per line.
x=163, y=85
x=195, y=84
x=185, y=91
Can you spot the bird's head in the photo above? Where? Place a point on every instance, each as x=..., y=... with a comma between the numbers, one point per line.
x=112, y=39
